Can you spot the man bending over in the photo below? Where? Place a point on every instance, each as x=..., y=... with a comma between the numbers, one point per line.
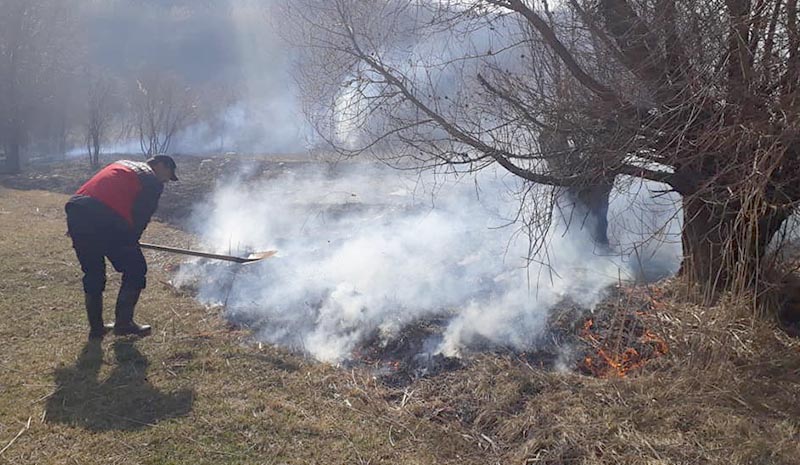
x=106, y=218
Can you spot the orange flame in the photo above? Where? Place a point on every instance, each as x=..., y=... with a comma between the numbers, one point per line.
x=609, y=363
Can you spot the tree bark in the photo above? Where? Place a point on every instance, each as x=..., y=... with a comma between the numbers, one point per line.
x=724, y=245
x=588, y=210
x=586, y=205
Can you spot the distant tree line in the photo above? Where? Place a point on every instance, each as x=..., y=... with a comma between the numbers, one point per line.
x=54, y=98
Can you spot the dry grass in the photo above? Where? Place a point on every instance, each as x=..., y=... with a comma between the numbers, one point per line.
x=199, y=392
x=194, y=392
x=726, y=394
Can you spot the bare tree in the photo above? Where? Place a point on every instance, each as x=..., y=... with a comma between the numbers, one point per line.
x=698, y=95
x=99, y=116
x=218, y=99
x=36, y=52
x=161, y=107
x=585, y=203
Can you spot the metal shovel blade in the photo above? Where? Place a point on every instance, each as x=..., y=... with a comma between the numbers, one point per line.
x=253, y=257
x=256, y=256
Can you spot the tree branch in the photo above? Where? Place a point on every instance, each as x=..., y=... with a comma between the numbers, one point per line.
x=604, y=92
x=635, y=39
x=500, y=156
x=516, y=103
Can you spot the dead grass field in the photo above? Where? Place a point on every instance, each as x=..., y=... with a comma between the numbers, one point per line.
x=194, y=392
x=198, y=392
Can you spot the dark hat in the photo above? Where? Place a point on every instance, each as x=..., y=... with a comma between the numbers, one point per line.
x=166, y=160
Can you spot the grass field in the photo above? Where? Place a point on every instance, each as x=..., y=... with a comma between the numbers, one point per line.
x=200, y=392
x=194, y=392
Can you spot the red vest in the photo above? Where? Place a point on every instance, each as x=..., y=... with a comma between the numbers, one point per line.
x=117, y=186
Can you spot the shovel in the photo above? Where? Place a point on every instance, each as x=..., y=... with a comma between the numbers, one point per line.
x=253, y=257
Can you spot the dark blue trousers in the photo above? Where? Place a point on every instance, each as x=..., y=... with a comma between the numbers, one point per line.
x=96, y=235
x=125, y=257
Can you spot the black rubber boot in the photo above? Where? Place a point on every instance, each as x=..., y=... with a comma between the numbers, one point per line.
x=126, y=303
x=94, y=311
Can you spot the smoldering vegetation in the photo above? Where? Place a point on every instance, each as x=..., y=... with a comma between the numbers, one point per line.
x=424, y=267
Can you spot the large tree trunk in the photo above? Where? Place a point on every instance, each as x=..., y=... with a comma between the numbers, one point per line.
x=724, y=246
x=586, y=208
x=591, y=206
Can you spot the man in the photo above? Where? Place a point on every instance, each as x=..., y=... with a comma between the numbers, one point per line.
x=106, y=218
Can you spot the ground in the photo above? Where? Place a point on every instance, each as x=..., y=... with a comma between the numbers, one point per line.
x=199, y=391
x=194, y=392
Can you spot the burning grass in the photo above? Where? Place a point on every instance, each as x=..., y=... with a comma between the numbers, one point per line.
x=623, y=342
x=406, y=356
x=617, y=338
x=725, y=393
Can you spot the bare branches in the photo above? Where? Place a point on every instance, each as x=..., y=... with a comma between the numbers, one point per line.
x=162, y=106
x=698, y=95
x=601, y=90
x=502, y=157
x=514, y=101
x=99, y=115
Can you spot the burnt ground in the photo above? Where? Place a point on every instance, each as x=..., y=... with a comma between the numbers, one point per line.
x=613, y=339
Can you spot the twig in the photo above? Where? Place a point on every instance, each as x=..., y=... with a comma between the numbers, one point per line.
x=45, y=397
x=230, y=288
x=490, y=441
x=26, y=428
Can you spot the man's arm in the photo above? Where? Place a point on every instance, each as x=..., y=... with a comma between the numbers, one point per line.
x=146, y=204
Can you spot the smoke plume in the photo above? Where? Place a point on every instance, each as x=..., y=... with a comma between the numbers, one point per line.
x=365, y=250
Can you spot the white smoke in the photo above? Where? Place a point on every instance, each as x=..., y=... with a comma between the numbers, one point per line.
x=263, y=124
x=365, y=249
